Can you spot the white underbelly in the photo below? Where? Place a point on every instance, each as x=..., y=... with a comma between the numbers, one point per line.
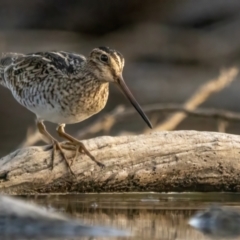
x=58, y=116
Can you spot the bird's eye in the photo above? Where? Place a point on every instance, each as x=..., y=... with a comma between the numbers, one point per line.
x=104, y=58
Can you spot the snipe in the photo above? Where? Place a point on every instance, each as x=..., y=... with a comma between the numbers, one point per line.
x=65, y=88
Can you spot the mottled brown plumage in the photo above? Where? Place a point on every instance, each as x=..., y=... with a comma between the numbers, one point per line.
x=63, y=87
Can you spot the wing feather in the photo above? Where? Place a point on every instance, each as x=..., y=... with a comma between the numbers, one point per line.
x=60, y=63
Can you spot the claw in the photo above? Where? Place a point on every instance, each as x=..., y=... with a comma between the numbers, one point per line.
x=72, y=145
x=57, y=146
x=79, y=146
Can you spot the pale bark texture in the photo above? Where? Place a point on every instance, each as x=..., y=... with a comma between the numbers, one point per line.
x=159, y=161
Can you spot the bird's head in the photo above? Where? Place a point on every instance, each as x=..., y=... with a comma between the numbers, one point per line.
x=107, y=65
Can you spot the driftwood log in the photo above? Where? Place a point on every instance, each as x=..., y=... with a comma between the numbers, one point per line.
x=159, y=161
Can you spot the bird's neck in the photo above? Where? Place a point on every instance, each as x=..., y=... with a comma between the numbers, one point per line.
x=96, y=92
x=90, y=81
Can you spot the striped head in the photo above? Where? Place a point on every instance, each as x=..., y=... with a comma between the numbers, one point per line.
x=107, y=65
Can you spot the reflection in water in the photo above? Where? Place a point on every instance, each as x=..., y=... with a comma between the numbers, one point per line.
x=147, y=215
x=21, y=220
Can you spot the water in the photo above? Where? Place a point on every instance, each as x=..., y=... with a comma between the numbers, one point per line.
x=146, y=215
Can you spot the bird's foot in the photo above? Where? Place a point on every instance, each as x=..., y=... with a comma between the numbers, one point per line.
x=79, y=147
x=57, y=146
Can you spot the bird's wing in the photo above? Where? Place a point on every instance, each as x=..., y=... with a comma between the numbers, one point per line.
x=42, y=63
x=65, y=62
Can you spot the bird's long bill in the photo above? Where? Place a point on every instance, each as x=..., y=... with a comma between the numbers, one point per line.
x=131, y=98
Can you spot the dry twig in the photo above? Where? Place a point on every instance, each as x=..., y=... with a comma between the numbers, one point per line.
x=218, y=114
x=32, y=137
x=119, y=114
x=199, y=97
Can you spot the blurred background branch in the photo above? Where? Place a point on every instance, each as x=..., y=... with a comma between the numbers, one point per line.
x=199, y=97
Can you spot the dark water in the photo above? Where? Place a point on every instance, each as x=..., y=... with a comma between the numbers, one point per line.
x=145, y=215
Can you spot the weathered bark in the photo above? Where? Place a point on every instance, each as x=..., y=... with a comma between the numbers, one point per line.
x=160, y=161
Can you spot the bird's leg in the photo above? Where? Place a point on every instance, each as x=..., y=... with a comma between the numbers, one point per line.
x=56, y=145
x=80, y=147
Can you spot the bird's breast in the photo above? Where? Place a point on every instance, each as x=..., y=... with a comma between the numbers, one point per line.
x=75, y=106
x=92, y=100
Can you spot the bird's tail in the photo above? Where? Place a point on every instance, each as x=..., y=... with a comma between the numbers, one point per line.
x=6, y=60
